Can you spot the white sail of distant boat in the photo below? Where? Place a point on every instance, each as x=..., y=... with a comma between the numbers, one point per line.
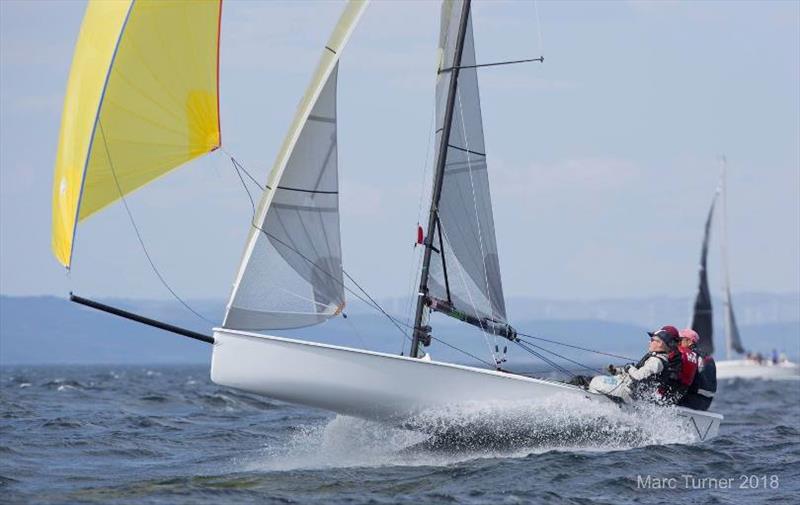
x=291, y=273
x=702, y=316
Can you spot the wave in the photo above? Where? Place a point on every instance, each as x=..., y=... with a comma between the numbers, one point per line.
x=480, y=430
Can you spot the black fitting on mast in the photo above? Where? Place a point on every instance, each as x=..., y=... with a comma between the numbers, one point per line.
x=437, y=183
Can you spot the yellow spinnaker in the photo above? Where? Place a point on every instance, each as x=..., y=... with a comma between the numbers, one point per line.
x=142, y=99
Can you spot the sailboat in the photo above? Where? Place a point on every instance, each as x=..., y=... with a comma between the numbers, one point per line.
x=290, y=275
x=703, y=314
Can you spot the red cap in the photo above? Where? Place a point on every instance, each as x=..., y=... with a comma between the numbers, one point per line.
x=673, y=331
x=669, y=330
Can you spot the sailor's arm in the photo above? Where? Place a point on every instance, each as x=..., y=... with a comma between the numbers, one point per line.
x=652, y=366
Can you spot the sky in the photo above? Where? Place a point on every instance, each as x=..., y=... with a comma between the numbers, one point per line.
x=602, y=160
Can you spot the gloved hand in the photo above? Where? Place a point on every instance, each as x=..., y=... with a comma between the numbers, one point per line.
x=612, y=369
x=628, y=367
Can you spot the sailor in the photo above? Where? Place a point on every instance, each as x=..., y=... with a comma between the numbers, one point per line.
x=701, y=391
x=656, y=377
x=687, y=341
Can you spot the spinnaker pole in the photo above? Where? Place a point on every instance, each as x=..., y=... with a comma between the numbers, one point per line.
x=141, y=319
x=421, y=334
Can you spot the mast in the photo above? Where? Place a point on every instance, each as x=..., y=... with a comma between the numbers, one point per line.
x=725, y=267
x=422, y=334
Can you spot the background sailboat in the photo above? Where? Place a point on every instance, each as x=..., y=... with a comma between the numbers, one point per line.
x=702, y=315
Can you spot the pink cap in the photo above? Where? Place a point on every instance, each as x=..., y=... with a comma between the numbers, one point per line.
x=690, y=334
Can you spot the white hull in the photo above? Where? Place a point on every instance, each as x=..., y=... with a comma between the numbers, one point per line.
x=379, y=386
x=748, y=369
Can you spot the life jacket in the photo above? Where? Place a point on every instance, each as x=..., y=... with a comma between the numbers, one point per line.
x=689, y=364
x=667, y=384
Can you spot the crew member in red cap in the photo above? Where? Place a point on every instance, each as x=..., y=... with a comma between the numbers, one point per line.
x=689, y=359
x=704, y=386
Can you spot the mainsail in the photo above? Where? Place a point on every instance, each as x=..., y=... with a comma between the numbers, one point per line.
x=142, y=99
x=466, y=270
x=461, y=270
x=291, y=272
x=703, y=315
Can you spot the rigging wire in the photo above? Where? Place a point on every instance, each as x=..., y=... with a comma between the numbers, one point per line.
x=546, y=360
x=414, y=266
x=370, y=302
x=475, y=207
x=375, y=304
x=139, y=235
x=575, y=346
x=358, y=333
x=565, y=358
x=469, y=294
x=465, y=352
x=236, y=162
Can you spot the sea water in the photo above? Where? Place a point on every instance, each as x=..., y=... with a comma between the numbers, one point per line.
x=137, y=434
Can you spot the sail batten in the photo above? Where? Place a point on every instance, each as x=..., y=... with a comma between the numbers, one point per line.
x=291, y=275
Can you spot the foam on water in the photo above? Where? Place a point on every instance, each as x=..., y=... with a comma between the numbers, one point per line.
x=480, y=430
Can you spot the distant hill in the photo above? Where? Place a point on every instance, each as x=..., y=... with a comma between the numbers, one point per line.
x=53, y=330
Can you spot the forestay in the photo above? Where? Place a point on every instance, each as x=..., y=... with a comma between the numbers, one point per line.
x=702, y=316
x=142, y=99
x=291, y=272
x=464, y=269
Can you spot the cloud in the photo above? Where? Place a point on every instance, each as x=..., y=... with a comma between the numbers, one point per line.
x=577, y=175
x=523, y=81
x=654, y=6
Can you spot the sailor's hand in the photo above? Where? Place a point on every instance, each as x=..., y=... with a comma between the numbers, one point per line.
x=612, y=369
x=628, y=367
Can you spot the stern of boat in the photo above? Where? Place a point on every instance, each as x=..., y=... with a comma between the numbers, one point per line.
x=704, y=424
